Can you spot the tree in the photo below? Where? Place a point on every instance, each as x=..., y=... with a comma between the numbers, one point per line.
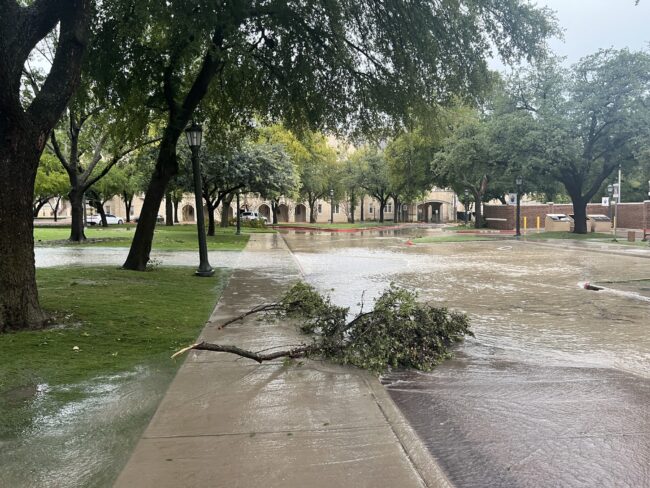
x=585, y=122
x=467, y=160
x=51, y=183
x=317, y=173
x=409, y=157
x=376, y=180
x=338, y=64
x=24, y=128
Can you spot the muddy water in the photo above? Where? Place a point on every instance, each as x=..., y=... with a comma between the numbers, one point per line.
x=554, y=388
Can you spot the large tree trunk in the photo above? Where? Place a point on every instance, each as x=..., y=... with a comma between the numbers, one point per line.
x=22, y=139
x=211, y=210
x=176, y=202
x=579, y=215
x=166, y=168
x=478, y=211
x=225, y=205
x=77, y=216
x=56, y=209
x=312, y=210
x=352, y=207
x=128, y=203
x=169, y=210
x=362, y=216
x=19, y=308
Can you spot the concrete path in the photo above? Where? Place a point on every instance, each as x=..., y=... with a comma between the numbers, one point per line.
x=227, y=421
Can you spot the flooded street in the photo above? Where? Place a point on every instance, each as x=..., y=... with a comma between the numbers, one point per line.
x=554, y=388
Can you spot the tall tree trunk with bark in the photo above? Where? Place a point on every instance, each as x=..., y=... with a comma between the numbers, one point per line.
x=362, y=217
x=353, y=203
x=169, y=210
x=211, y=210
x=77, y=233
x=166, y=169
x=225, y=207
x=176, y=202
x=127, y=198
x=19, y=307
x=579, y=214
x=23, y=133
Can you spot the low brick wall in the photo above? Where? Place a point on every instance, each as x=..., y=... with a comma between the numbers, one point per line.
x=630, y=215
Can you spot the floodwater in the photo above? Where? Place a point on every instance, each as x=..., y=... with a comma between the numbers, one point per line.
x=553, y=390
x=79, y=435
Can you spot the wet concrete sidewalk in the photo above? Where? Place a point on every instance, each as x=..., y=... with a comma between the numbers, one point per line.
x=227, y=421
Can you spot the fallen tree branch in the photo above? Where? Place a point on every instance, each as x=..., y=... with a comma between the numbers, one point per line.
x=267, y=307
x=296, y=352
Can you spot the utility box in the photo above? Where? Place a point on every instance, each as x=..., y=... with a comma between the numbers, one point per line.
x=557, y=223
x=599, y=223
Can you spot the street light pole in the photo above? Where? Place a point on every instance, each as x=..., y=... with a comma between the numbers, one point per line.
x=519, y=180
x=194, y=135
x=331, y=206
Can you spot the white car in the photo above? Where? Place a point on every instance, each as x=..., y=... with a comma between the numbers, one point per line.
x=252, y=216
x=110, y=219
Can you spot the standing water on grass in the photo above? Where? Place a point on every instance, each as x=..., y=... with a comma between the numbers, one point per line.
x=554, y=388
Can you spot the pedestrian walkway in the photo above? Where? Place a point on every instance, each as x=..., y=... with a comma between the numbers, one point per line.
x=228, y=421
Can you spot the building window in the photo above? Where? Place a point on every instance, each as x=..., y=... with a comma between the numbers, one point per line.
x=107, y=209
x=320, y=208
x=132, y=211
x=370, y=209
x=336, y=208
x=388, y=207
x=298, y=210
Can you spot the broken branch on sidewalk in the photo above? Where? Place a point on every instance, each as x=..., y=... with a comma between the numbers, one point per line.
x=399, y=332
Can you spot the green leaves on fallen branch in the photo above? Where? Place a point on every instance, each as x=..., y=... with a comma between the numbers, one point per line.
x=399, y=332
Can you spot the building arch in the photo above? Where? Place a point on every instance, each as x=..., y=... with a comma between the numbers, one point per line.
x=265, y=211
x=300, y=213
x=188, y=213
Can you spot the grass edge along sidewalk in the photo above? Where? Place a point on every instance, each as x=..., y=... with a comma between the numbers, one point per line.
x=109, y=323
x=173, y=238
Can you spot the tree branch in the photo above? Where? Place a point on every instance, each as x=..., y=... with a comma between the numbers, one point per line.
x=296, y=352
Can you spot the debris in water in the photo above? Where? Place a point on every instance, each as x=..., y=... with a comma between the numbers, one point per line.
x=589, y=286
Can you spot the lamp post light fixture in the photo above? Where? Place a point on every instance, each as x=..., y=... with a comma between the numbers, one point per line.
x=331, y=205
x=519, y=181
x=466, y=204
x=194, y=135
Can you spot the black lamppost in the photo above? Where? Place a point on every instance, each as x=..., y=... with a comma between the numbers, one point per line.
x=238, y=216
x=466, y=204
x=331, y=206
x=519, y=181
x=194, y=135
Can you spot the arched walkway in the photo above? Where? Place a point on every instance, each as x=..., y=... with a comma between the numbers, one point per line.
x=300, y=213
x=188, y=213
x=430, y=212
x=265, y=211
x=283, y=213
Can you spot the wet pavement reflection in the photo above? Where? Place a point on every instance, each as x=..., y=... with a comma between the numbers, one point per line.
x=554, y=388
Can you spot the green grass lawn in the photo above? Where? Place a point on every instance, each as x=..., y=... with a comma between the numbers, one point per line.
x=568, y=235
x=117, y=319
x=175, y=238
x=341, y=225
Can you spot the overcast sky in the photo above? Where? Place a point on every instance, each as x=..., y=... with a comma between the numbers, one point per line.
x=593, y=24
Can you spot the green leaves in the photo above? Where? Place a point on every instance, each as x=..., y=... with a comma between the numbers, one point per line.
x=399, y=332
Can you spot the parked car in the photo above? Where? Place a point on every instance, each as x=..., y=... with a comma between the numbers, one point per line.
x=110, y=219
x=252, y=216
x=159, y=219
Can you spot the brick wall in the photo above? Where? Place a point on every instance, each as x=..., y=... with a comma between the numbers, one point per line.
x=630, y=215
